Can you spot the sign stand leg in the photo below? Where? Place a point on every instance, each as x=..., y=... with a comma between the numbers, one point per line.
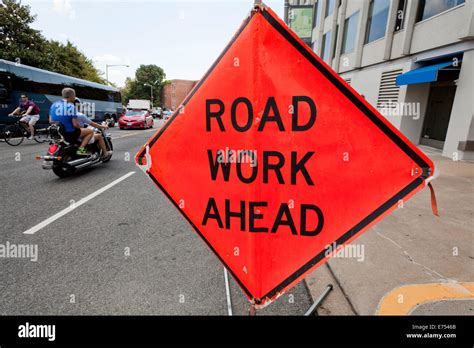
x=252, y=310
x=320, y=299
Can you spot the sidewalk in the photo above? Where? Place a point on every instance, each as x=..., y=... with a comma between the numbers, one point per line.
x=413, y=261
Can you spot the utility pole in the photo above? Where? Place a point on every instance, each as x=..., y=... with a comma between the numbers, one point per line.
x=107, y=70
x=151, y=94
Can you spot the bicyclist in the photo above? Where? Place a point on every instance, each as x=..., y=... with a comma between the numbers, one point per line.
x=64, y=112
x=30, y=112
x=85, y=121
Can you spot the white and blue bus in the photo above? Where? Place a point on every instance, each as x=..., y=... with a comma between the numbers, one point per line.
x=99, y=102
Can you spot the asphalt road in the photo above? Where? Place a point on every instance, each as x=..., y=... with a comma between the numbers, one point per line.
x=126, y=251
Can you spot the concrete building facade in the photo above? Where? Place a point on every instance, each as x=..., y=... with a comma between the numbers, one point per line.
x=173, y=93
x=412, y=59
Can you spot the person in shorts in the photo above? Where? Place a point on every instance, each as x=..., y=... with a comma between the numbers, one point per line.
x=85, y=122
x=64, y=112
x=30, y=112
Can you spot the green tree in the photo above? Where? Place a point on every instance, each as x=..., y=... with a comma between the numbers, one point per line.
x=18, y=41
x=22, y=44
x=138, y=87
x=67, y=59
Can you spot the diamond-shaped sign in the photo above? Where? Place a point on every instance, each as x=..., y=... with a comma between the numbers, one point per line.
x=275, y=160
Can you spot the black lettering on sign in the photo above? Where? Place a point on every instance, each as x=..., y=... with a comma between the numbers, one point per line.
x=276, y=167
x=272, y=161
x=215, y=164
x=212, y=213
x=284, y=218
x=214, y=114
x=254, y=216
x=299, y=167
x=215, y=110
x=271, y=107
x=233, y=114
x=303, y=225
x=312, y=115
x=237, y=214
x=247, y=212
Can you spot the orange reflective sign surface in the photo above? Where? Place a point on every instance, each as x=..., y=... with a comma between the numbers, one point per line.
x=274, y=159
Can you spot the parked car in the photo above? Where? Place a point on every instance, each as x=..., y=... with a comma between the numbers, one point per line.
x=136, y=119
x=167, y=114
x=156, y=112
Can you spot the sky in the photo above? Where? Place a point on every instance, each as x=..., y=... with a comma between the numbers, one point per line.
x=184, y=37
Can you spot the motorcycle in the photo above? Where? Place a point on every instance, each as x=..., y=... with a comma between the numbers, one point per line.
x=62, y=159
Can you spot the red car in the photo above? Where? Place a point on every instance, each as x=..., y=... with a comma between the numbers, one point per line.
x=136, y=119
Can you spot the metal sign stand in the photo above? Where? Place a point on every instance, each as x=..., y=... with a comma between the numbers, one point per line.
x=252, y=310
x=310, y=311
x=320, y=299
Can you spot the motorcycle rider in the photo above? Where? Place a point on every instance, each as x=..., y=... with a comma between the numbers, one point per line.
x=84, y=121
x=64, y=112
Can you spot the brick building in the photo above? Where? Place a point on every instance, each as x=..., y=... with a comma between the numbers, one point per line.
x=173, y=93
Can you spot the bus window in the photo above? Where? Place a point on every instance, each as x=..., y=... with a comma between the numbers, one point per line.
x=41, y=83
x=117, y=97
x=3, y=93
x=20, y=82
x=5, y=88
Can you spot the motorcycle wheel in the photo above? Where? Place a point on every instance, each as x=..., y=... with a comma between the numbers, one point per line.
x=110, y=148
x=63, y=170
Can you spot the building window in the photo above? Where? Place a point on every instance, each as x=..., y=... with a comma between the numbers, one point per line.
x=317, y=13
x=315, y=45
x=399, y=22
x=335, y=42
x=377, y=21
x=326, y=46
x=330, y=7
x=350, y=33
x=427, y=9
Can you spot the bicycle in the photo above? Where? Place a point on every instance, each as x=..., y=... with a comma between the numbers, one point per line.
x=15, y=133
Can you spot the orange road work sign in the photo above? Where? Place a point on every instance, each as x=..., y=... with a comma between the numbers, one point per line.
x=275, y=161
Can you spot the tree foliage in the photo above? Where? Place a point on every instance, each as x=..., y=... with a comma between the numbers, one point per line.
x=23, y=44
x=138, y=87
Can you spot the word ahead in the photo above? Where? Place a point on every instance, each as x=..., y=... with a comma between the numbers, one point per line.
x=247, y=214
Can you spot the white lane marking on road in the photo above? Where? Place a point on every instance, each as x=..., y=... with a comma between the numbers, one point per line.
x=63, y=212
x=227, y=292
x=124, y=136
x=134, y=133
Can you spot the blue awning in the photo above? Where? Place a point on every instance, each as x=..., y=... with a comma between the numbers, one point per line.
x=422, y=75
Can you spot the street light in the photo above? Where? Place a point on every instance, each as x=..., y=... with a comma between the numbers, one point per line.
x=151, y=86
x=107, y=70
